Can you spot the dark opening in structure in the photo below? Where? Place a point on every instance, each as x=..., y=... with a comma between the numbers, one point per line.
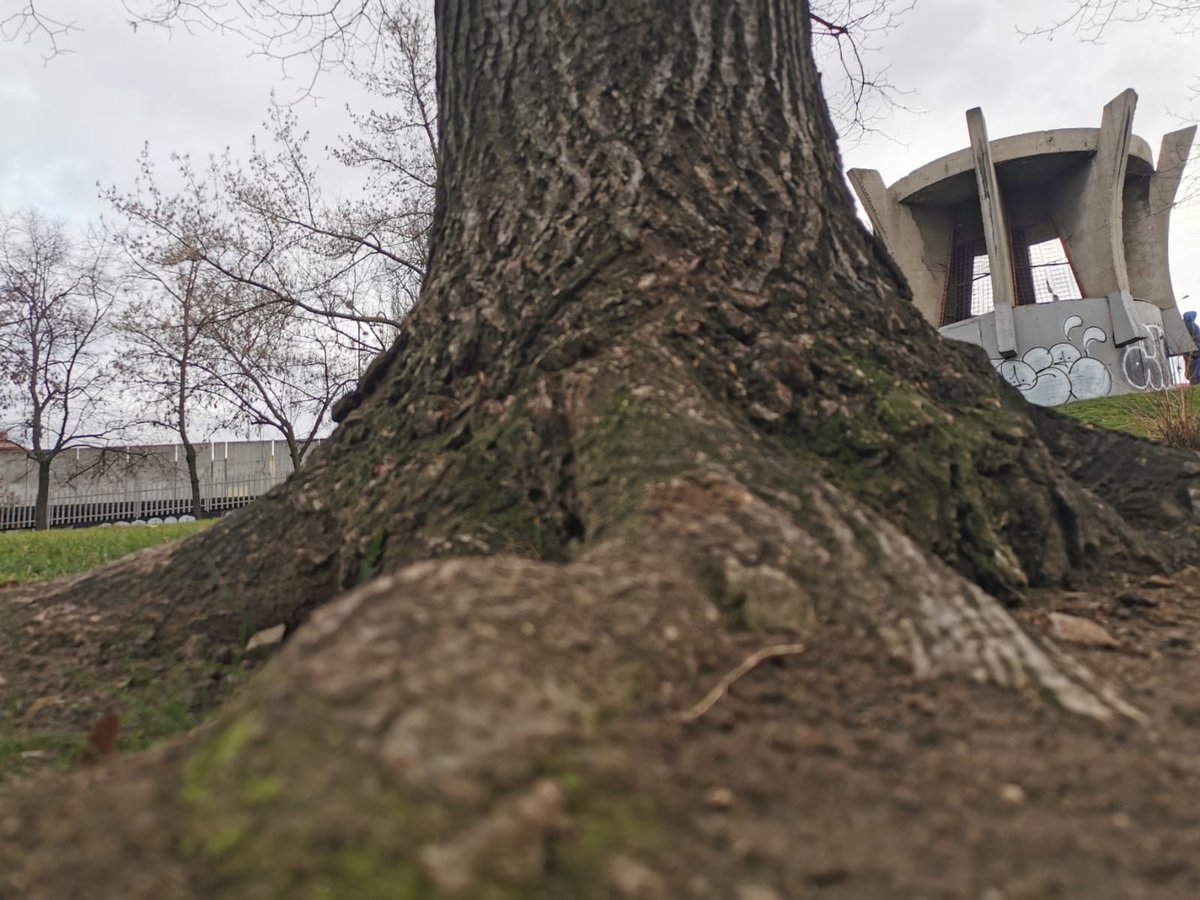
x=1042, y=271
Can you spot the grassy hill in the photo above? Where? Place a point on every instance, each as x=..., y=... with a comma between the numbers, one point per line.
x=1171, y=416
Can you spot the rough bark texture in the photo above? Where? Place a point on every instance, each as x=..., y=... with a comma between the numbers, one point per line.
x=189, y=453
x=663, y=377
x=41, y=504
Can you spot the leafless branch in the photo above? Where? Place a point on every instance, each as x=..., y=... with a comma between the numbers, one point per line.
x=1088, y=20
x=30, y=24
x=846, y=33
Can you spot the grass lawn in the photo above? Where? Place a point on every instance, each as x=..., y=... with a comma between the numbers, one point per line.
x=39, y=555
x=1142, y=414
x=159, y=696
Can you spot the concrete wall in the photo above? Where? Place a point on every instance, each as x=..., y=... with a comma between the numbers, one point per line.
x=226, y=468
x=1068, y=352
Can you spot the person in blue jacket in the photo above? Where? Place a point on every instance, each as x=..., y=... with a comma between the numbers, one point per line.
x=1192, y=360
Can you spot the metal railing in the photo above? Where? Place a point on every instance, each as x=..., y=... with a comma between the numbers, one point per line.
x=76, y=507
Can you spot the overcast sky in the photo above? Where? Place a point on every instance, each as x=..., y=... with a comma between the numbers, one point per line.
x=82, y=118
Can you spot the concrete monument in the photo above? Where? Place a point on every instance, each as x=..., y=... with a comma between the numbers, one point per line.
x=1047, y=249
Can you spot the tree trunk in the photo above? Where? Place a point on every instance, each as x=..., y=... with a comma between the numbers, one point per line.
x=189, y=454
x=662, y=378
x=295, y=452
x=41, y=505
x=181, y=397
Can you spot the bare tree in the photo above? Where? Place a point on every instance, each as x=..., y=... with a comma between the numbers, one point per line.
x=265, y=226
x=291, y=303
x=30, y=23
x=396, y=143
x=163, y=333
x=55, y=297
x=368, y=37
x=277, y=369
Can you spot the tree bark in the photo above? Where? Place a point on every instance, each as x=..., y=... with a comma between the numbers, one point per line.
x=189, y=455
x=189, y=335
x=662, y=378
x=41, y=504
x=295, y=452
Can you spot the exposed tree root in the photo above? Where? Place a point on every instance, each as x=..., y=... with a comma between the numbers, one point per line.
x=454, y=682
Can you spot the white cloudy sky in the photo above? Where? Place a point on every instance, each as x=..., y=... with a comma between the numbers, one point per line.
x=83, y=117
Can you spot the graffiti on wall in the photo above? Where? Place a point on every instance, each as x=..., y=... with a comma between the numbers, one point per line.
x=1050, y=376
x=1144, y=363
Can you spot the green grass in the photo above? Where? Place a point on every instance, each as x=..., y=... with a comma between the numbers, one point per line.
x=1141, y=414
x=156, y=701
x=39, y=555
x=157, y=697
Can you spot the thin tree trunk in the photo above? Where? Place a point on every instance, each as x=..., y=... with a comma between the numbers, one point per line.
x=41, y=506
x=181, y=405
x=295, y=452
x=189, y=454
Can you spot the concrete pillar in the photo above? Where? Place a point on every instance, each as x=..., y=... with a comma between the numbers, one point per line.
x=1088, y=214
x=995, y=232
x=895, y=225
x=1147, y=214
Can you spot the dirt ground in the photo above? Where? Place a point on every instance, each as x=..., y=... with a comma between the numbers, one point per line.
x=835, y=774
x=842, y=780
x=63, y=666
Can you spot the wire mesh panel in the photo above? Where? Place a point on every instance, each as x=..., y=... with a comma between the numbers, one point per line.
x=1050, y=272
x=982, y=300
x=1042, y=271
x=968, y=275
x=969, y=282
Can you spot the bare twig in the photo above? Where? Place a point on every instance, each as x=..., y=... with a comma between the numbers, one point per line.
x=1088, y=20
x=746, y=665
x=29, y=24
x=847, y=34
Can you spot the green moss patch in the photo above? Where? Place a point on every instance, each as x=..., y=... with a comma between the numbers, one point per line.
x=261, y=813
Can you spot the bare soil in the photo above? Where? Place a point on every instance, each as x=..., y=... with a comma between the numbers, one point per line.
x=833, y=773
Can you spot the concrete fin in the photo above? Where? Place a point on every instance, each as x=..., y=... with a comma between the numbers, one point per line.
x=1125, y=327
x=872, y=194
x=995, y=232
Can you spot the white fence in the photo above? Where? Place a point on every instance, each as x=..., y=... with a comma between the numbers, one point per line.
x=75, y=507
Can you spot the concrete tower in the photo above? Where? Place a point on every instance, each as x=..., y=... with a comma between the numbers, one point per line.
x=1047, y=249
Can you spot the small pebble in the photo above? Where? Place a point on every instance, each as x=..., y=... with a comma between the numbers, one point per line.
x=719, y=798
x=1012, y=793
x=757, y=892
x=632, y=878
